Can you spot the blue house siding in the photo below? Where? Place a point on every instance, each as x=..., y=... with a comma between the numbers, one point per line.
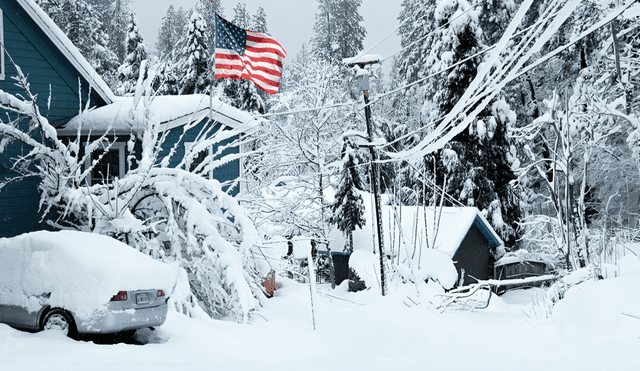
x=225, y=173
x=46, y=67
x=49, y=73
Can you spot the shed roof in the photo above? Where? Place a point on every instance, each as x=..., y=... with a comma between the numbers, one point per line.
x=62, y=42
x=168, y=111
x=451, y=223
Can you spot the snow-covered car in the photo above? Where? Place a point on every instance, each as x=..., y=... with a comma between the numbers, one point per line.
x=80, y=282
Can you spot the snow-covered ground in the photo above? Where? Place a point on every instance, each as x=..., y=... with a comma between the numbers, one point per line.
x=590, y=329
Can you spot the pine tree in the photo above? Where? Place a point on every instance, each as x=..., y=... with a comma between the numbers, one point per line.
x=348, y=205
x=417, y=22
x=172, y=29
x=350, y=32
x=129, y=71
x=194, y=63
x=114, y=15
x=208, y=10
x=259, y=21
x=78, y=20
x=241, y=17
x=338, y=33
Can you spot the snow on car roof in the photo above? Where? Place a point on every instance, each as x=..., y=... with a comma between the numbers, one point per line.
x=62, y=42
x=81, y=271
x=168, y=111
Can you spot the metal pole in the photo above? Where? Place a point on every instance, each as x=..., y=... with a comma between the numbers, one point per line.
x=376, y=189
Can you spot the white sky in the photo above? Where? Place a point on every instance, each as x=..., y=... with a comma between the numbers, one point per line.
x=290, y=22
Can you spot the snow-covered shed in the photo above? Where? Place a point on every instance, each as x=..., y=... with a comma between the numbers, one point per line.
x=57, y=71
x=462, y=233
x=181, y=117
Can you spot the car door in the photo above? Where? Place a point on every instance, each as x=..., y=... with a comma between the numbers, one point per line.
x=16, y=316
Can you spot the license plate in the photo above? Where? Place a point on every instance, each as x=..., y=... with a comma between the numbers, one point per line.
x=142, y=299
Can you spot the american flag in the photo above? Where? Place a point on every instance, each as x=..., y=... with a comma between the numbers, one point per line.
x=243, y=54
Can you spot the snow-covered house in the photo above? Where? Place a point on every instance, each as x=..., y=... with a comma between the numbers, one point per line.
x=461, y=233
x=181, y=119
x=60, y=77
x=64, y=83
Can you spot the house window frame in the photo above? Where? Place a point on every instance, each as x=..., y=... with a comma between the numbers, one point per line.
x=3, y=52
x=187, y=149
x=117, y=146
x=245, y=147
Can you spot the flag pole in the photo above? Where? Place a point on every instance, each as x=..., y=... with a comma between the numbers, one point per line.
x=212, y=68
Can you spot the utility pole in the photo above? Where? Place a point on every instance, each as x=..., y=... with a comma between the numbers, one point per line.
x=375, y=171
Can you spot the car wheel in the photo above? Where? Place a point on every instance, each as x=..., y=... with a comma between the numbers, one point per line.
x=58, y=320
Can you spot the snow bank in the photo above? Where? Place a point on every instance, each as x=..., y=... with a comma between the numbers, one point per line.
x=367, y=266
x=81, y=271
x=437, y=266
x=602, y=307
x=629, y=266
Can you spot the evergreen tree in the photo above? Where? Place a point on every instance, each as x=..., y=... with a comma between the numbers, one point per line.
x=241, y=17
x=114, y=15
x=350, y=32
x=129, y=71
x=194, y=64
x=338, y=33
x=208, y=10
x=348, y=205
x=172, y=29
x=259, y=22
x=417, y=22
x=81, y=24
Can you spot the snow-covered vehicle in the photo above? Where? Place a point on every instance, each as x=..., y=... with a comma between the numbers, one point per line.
x=80, y=283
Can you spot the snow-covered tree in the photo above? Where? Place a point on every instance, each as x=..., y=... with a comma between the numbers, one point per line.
x=348, y=205
x=297, y=151
x=259, y=21
x=172, y=29
x=129, y=71
x=241, y=16
x=193, y=68
x=80, y=22
x=114, y=15
x=338, y=32
x=208, y=10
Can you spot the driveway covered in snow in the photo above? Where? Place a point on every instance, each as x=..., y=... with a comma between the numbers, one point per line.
x=591, y=329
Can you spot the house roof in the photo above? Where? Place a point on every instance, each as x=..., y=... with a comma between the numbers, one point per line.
x=452, y=225
x=62, y=42
x=168, y=111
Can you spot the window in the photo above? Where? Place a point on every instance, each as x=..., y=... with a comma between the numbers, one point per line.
x=2, y=72
x=198, y=159
x=110, y=166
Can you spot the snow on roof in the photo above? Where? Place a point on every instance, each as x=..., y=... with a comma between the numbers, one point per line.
x=521, y=256
x=407, y=224
x=62, y=42
x=169, y=111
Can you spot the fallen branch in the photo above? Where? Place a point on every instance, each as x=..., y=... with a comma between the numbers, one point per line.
x=339, y=298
